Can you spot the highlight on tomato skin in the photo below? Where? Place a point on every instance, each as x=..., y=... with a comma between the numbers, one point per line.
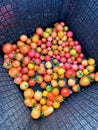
x=52, y=60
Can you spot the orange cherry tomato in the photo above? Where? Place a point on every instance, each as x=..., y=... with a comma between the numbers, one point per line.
x=16, y=63
x=13, y=72
x=43, y=85
x=59, y=98
x=23, y=38
x=35, y=38
x=29, y=93
x=28, y=102
x=25, y=77
x=47, y=78
x=55, y=91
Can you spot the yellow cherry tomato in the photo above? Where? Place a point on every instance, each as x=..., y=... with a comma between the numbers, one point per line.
x=24, y=85
x=91, y=61
x=45, y=34
x=90, y=68
x=54, y=75
x=43, y=101
x=30, y=66
x=60, y=34
x=61, y=71
x=56, y=104
x=44, y=107
x=45, y=93
x=86, y=72
x=35, y=113
x=54, y=83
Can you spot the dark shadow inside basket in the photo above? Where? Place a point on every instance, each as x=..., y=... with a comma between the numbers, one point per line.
x=18, y=17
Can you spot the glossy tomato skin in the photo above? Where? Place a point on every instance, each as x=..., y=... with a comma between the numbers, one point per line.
x=29, y=93
x=32, y=82
x=7, y=48
x=13, y=72
x=51, y=97
x=47, y=78
x=65, y=92
x=70, y=73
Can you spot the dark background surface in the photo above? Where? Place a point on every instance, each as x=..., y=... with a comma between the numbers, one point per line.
x=22, y=17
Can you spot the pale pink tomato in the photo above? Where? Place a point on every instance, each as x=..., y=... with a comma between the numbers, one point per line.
x=18, y=80
x=11, y=55
x=31, y=53
x=63, y=44
x=37, y=55
x=62, y=23
x=78, y=48
x=81, y=67
x=76, y=43
x=39, y=43
x=69, y=34
x=38, y=61
x=49, y=38
x=74, y=67
x=63, y=59
x=67, y=65
x=39, y=31
x=48, y=44
x=58, y=57
x=82, y=55
x=47, y=58
x=67, y=55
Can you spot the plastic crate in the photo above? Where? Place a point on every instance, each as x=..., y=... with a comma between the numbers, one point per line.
x=18, y=17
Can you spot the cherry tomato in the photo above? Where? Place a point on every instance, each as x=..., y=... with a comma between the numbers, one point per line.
x=51, y=97
x=16, y=63
x=49, y=103
x=38, y=95
x=24, y=85
x=65, y=92
x=45, y=93
x=61, y=83
x=25, y=49
x=29, y=93
x=25, y=77
x=55, y=91
x=13, y=72
x=59, y=98
x=43, y=85
x=31, y=82
x=28, y=102
x=71, y=82
x=35, y=113
x=70, y=73
x=7, y=48
x=31, y=73
x=76, y=88
x=56, y=104
x=47, y=78
x=7, y=65
x=17, y=80
x=43, y=101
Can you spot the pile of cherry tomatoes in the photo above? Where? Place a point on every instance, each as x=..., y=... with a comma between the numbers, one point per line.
x=52, y=59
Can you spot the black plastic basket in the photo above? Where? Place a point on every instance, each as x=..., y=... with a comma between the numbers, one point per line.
x=80, y=111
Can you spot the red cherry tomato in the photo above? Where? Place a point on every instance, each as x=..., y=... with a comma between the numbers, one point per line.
x=65, y=92
x=7, y=48
x=32, y=82
x=70, y=73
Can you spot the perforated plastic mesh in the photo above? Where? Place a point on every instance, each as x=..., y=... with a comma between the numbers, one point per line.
x=22, y=16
